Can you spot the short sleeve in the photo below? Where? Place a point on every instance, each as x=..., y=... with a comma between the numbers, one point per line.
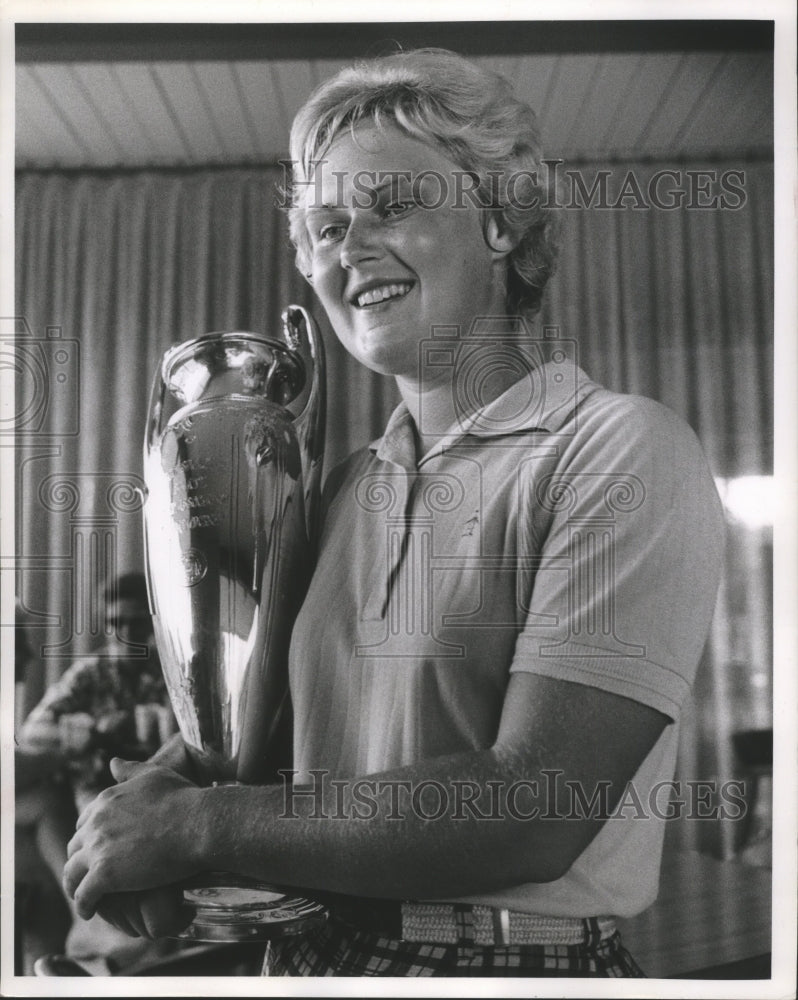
x=630, y=558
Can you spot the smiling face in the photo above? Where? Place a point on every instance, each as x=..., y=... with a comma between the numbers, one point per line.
x=392, y=253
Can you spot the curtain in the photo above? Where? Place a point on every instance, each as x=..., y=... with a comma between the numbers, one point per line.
x=678, y=305
x=112, y=268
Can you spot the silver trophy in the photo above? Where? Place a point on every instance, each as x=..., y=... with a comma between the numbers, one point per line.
x=232, y=463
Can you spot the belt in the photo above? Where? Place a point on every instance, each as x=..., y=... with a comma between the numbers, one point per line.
x=452, y=923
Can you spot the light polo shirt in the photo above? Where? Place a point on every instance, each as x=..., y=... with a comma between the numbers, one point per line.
x=562, y=530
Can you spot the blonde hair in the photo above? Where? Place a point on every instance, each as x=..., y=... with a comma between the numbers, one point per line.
x=469, y=113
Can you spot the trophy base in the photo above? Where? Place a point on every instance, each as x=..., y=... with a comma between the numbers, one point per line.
x=231, y=908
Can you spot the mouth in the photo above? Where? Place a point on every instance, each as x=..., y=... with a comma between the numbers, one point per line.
x=381, y=292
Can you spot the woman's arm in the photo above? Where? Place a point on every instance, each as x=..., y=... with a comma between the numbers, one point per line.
x=664, y=551
x=155, y=827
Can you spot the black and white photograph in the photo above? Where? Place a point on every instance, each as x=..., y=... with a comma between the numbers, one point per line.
x=398, y=507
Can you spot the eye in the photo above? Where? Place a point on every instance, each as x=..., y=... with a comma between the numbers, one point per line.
x=396, y=208
x=331, y=233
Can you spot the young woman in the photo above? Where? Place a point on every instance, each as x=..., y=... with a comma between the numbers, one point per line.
x=513, y=588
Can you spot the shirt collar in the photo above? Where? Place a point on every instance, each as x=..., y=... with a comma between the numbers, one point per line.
x=398, y=443
x=542, y=400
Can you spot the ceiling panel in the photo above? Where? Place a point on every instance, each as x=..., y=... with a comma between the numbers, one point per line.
x=263, y=113
x=194, y=112
x=575, y=77
x=638, y=105
x=681, y=99
x=294, y=81
x=533, y=76
x=127, y=135
x=167, y=141
x=76, y=107
x=596, y=129
x=216, y=82
x=40, y=117
x=723, y=100
x=184, y=94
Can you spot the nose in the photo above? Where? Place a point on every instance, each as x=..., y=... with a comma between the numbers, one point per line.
x=361, y=243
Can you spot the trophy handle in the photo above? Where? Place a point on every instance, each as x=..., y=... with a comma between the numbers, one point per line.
x=300, y=329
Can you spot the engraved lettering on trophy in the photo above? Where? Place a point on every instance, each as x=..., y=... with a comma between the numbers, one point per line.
x=187, y=467
x=203, y=521
x=192, y=500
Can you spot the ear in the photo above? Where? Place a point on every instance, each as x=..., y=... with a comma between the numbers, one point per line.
x=498, y=237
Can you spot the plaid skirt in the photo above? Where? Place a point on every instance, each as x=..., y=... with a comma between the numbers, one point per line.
x=339, y=949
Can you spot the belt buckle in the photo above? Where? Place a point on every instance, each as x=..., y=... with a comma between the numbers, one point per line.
x=501, y=927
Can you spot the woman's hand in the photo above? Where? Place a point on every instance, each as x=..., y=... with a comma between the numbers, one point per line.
x=149, y=913
x=143, y=833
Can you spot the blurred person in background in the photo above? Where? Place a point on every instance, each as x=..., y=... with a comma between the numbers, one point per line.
x=111, y=702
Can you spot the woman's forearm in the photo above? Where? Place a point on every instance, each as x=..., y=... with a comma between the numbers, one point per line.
x=449, y=826
x=457, y=825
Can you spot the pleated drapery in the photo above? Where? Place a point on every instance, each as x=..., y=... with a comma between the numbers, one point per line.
x=678, y=305
x=113, y=268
